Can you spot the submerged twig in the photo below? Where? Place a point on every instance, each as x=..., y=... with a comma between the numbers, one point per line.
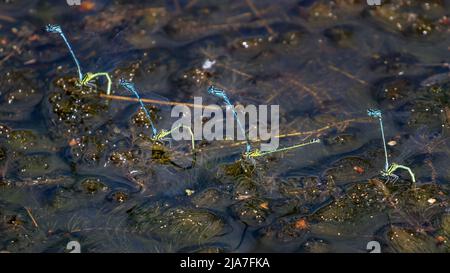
x=295, y=82
x=7, y=18
x=347, y=74
x=32, y=218
x=258, y=14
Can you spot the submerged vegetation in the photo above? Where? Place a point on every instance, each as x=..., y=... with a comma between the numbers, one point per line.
x=82, y=162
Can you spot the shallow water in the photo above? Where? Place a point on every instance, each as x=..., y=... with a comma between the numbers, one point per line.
x=76, y=166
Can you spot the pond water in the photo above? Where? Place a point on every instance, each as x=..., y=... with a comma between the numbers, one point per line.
x=76, y=165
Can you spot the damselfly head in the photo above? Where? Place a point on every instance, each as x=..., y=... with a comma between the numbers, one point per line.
x=375, y=113
x=53, y=28
x=215, y=91
x=125, y=83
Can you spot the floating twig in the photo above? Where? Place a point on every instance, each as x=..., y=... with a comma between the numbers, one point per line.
x=32, y=218
x=258, y=153
x=305, y=134
x=159, y=102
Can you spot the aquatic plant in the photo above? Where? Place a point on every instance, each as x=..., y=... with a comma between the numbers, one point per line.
x=389, y=170
x=88, y=77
